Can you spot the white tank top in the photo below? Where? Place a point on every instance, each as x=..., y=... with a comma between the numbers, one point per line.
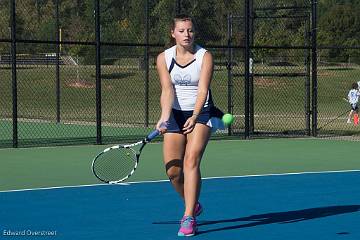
x=185, y=78
x=353, y=96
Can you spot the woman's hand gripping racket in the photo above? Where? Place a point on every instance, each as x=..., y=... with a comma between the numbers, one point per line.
x=117, y=163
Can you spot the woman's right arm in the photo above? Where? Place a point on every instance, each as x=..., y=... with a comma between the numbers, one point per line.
x=167, y=90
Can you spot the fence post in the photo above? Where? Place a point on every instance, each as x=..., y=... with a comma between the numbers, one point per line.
x=13, y=74
x=251, y=65
x=247, y=68
x=98, y=72
x=229, y=68
x=307, y=40
x=314, y=65
x=146, y=63
x=178, y=6
x=57, y=36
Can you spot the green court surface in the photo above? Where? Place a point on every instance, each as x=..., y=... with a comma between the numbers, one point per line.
x=29, y=168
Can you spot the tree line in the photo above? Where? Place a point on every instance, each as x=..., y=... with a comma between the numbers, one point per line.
x=125, y=22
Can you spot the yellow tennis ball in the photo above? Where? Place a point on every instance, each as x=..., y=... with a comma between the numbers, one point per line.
x=228, y=119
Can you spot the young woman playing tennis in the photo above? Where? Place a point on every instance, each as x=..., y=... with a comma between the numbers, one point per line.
x=353, y=98
x=185, y=71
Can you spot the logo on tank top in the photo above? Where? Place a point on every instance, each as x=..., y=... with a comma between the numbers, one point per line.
x=182, y=80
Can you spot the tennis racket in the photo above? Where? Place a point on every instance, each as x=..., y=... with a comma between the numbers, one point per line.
x=117, y=163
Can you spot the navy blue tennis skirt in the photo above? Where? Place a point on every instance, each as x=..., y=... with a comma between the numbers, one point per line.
x=178, y=119
x=354, y=106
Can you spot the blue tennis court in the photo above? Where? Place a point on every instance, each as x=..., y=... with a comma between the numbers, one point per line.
x=285, y=206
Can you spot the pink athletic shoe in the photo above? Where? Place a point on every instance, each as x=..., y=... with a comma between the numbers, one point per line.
x=198, y=209
x=187, y=227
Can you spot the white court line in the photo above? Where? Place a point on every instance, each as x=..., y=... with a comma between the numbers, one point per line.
x=166, y=180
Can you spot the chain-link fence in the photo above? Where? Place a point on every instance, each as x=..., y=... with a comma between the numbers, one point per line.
x=335, y=79
x=280, y=78
x=84, y=71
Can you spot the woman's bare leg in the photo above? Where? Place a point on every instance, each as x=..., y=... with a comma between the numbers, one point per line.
x=195, y=147
x=173, y=155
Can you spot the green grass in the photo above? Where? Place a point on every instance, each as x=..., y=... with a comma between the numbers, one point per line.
x=279, y=102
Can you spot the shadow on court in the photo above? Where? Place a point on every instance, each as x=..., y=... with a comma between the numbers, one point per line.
x=279, y=217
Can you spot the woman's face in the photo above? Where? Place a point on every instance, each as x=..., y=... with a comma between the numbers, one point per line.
x=183, y=33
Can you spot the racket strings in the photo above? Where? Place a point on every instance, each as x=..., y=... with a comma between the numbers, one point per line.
x=115, y=164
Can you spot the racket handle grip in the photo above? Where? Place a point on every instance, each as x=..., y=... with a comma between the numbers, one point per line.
x=152, y=135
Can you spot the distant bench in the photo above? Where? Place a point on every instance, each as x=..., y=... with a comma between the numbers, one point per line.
x=37, y=59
